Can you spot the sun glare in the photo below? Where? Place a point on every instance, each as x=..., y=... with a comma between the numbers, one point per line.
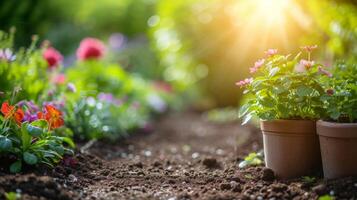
x=262, y=23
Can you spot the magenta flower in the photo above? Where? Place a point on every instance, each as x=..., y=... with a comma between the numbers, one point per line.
x=90, y=48
x=309, y=48
x=325, y=72
x=244, y=82
x=307, y=64
x=53, y=57
x=258, y=64
x=271, y=52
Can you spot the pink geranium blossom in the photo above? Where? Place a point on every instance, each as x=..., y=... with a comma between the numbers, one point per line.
x=307, y=64
x=324, y=71
x=256, y=66
x=244, y=82
x=271, y=52
x=53, y=57
x=90, y=48
x=309, y=48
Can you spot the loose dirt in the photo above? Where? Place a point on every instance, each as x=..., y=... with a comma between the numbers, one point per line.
x=184, y=156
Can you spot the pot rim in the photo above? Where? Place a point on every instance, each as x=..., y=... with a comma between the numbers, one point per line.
x=287, y=126
x=336, y=130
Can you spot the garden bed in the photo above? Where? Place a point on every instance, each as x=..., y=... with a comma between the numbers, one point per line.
x=184, y=156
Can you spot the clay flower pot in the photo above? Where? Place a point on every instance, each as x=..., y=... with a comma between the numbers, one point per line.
x=338, y=148
x=291, y=147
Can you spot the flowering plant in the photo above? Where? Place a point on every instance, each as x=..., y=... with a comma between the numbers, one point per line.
x=27, y=137
x=341, y=98
x=284, y=88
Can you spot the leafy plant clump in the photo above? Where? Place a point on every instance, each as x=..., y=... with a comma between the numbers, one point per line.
x=253, y=159
x=341, y=101
x=284, y=88
x=27, y=138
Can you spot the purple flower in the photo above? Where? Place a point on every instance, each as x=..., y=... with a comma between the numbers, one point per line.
x=116, y=41
x=28, y=117
x=71, y=87
x=7, y=55
x=157, y=103
x=107, y=97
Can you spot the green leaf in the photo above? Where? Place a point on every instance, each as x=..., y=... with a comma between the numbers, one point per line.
x=273, y=71
x=304, y=91
x=243, y=110
x=246, y=118
x=30, y=158
x=25, y=136
x=16, y=167
x=69, y=141
x=40, y=123
x=5, y=144
x=326, y=197
x=34, y=131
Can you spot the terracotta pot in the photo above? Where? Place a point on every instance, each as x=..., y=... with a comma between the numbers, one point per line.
x=338, y=148
x=291, y=147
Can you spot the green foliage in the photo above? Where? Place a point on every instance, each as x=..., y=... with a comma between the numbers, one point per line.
x=253, y=159
x=25, y=69
x=308, y=179
x=282, y=91
x=109, y=102
x=336, y=22
x=30, y=143
x=95, y=118
x=12, y=196
x=326, y=197
x=341, y=103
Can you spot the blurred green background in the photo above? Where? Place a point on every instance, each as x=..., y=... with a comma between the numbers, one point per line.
x=205, y=45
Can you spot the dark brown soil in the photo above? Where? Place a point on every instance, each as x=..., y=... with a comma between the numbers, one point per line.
x=183, y=157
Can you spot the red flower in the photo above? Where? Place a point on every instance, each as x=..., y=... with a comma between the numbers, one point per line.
x=53, y=57
x=9, y=112
x=52, y=116
x=90, y=48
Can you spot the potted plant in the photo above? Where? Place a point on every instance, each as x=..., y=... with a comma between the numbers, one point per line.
x=285, y=94
x=338, y=131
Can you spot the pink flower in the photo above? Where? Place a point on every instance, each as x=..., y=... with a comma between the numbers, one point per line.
x=90, y=48
x=307, y=64
x=271, y=52
x=53, y=57
x=309, y=48
x=59, y=79
x=256, y=66
x=325, y=72
x=330, y=92
x=244, y=82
